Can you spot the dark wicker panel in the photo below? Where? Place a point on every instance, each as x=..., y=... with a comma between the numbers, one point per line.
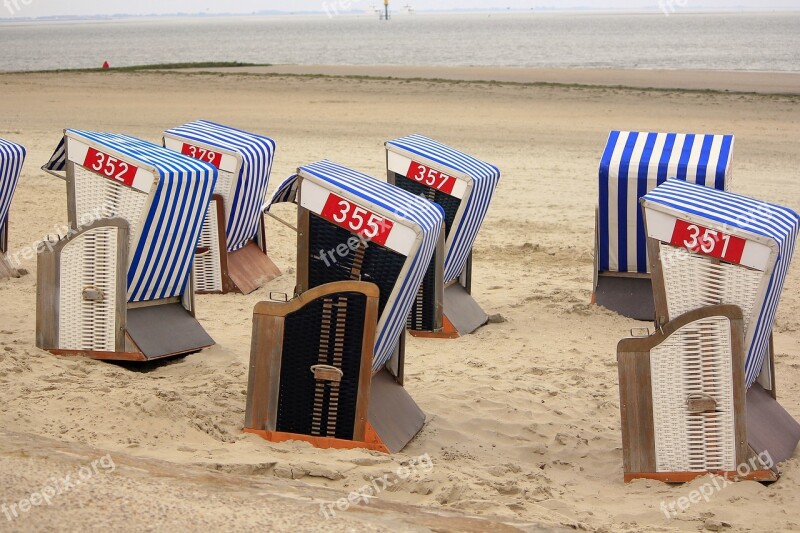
x=301, y=349
x=450, y=204
x=422, y=314
x=381, y=265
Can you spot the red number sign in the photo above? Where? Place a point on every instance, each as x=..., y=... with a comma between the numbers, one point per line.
x=357, y=219
x=708, y=241
x=215, y=158
x=431, y=178
x=110, y=167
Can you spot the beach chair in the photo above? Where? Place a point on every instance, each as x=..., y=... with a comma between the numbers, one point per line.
x=699, y=396
x=119, y=285
x=463, y=186
x=311, y=367
x=232, y=252
x=633, y=164
x=352, y=227
x=12, y=157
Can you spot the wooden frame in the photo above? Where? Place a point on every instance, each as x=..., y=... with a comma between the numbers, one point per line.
x=48, y=283
x=246, y=269
x=636, y=400
x=269, y=321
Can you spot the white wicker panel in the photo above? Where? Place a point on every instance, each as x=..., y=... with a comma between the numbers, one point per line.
x=693, y=281
x=97, y=197
x=696, y=359
x=207, y=272
x=223, y=188
x=90, y=260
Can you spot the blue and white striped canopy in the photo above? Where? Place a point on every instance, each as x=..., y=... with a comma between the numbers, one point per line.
x=12, y=157
x=426, y=217
x=485, y=178
x=634, y=163
x=161, y=259
x=776, y=223
x=243, y=209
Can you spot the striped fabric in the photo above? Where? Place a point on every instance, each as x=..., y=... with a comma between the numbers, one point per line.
x=634, y=163
x=58, y=161
x=426, y=216
x=12, y=156
x=484, y=177
x=285, y=193
x=777, y=223
x=249, y=187
x=160, y=262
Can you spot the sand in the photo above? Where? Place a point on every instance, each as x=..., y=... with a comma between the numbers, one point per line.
x=523, y=416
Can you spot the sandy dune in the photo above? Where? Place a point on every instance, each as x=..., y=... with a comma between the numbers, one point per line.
x=523, y=416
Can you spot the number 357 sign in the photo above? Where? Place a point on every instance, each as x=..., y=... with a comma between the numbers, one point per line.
x=707, y=241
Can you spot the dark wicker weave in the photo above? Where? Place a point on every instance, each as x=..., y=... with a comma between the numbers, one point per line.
x=310, y=336
x=381, y=265
x=422, y=314
x=450, y=204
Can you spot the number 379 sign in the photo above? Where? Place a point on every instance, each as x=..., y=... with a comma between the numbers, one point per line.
x=707, y=241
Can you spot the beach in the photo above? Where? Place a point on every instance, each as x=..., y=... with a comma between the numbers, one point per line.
x=523, y=421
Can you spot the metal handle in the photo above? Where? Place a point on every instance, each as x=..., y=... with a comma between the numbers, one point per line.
x=640, y=336
x=701, y=403
x=93, y=294
x=327, y=373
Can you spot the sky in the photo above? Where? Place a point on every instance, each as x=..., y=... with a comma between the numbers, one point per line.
x=43, y=8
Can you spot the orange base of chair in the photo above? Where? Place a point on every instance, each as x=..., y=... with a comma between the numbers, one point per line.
x=448, y=331
x=764, y=476
x=371, y=441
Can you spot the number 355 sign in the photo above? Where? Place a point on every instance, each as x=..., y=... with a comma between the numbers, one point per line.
x=357, y=219
x=707, y=241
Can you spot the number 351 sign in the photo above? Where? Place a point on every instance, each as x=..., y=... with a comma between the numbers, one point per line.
x=707, y=241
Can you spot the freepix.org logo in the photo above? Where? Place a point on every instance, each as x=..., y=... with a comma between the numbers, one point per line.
x=717, y=484
x=57, y=486
x=670, y=6
x=15, y=6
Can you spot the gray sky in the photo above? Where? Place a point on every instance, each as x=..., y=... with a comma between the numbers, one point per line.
x=38, y=8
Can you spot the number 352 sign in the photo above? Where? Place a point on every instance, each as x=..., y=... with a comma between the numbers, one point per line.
x=707, y=241
x=110, y=167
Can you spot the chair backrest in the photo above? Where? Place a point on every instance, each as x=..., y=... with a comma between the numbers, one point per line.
x=244, y=161
x=710, y=247
x=353, y=226
x=12, y=157
x=162, y=195
x=311, y=362
x=682, y=397
x=634, y=163
x=461, y=184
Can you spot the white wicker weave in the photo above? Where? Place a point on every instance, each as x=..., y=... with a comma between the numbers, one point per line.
x=223, y=188
x=97, y=197
x=207, y=271
x=694, y=360
x=692, y=281
x=89, y=261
